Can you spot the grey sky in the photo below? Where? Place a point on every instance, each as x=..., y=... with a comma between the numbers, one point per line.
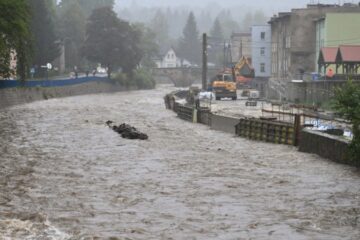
x=266, y=5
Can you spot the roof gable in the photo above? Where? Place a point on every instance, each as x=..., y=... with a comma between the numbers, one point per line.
x=328, y=55
x=348, y=53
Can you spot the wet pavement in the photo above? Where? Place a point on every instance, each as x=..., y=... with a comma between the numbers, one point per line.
x=65, y=175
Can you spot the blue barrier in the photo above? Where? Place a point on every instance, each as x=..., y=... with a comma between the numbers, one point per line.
x=51, y=83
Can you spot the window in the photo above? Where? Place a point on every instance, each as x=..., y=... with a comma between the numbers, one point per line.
x=288, y=42
x=262, y=67
x=262, y=51
x=262, y=36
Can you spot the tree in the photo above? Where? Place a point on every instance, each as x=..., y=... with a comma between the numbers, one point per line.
x=347, y=103
x=189, y=46
x=227, y=22
x=247, y=22
x=72, y=23
x=111, y=41
x=46, y=41
x=148, y=45
x=259, y=18
x=15, y=35
x=159, y=25
x=89, y=5
x=216, y=31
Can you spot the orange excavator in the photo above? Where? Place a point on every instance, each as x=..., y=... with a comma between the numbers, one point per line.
x=243, y=73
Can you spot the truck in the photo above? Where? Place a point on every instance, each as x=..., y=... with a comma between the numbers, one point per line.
x=224, y=85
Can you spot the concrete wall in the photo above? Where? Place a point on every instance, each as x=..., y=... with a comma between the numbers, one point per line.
x=15, y=96
x=325, y=145
x=223, y=123
x=314, y=91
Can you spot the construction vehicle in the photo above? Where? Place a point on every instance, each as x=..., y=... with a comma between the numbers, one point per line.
x=244, y=73
x=224, y=85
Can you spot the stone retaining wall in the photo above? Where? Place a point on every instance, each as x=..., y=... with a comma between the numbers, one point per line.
x=21, y=95
x=331, y=147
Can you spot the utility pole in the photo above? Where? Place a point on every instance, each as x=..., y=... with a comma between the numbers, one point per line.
x=204, y=66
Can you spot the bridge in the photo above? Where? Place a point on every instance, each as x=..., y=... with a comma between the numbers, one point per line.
x=181, y=76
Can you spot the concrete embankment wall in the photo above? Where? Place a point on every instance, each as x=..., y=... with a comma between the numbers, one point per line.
x=325, y=145
x=224, y=123
x=20, y=95
x=314, y=91
x=331, y=147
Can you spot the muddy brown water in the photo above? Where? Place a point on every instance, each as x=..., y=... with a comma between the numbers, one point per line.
x=65, y=175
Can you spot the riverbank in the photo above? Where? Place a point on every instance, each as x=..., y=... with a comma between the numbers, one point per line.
x=20, y=95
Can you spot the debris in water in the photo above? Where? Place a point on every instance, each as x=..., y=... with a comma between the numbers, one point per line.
x=127, y=131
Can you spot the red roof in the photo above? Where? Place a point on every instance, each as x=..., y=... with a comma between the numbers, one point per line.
x=328, y=54
x=349, y=53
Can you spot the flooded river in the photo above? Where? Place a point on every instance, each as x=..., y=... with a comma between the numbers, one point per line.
x=65, y=175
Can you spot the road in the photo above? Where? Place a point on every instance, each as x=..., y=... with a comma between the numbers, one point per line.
x=65, y=175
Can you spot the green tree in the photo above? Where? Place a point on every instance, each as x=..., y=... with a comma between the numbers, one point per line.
x=46, y=41
x=111, y=41
x=89, y=5
x=160, y=27
x=228, y=23
x=15, y=35
x=347, y=103
x=189, y=46
x=259, y=18
x=148, y=45
x=216, y=31
x=247, y=22
x=72, y=23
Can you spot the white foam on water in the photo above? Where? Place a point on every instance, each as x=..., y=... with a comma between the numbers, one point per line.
x=14, y=229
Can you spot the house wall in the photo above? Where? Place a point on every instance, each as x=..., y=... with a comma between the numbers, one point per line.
x=294, y=42
x=337, y=29
x=257, y=45
x=169, y=60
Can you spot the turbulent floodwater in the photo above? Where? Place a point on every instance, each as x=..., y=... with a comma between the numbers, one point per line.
x=65, y=175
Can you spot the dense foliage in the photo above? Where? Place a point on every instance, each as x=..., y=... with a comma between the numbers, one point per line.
x=347, y=103
x=190, y=46
x=15, y=35
x=112, y=42
x=46, y=41
x=139, y=79
x=72, y=23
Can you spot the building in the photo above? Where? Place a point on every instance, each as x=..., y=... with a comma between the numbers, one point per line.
x=335, y=29
x=261, y=56
x=294, y=49
x=240, y=46
x=261, y=50
x=168, y=59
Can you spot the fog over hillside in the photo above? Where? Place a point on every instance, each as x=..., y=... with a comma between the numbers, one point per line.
x=268, y=6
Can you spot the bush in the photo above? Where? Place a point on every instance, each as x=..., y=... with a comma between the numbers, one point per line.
x=347, y=103
x=140, y=78
x=144, y=79
x=123, y=80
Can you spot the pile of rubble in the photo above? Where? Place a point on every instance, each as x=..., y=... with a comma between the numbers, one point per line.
x=127, y=131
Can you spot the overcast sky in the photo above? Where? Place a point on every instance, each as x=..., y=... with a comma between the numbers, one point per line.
x=266, y=5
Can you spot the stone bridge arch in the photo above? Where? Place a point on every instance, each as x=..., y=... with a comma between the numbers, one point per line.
x=180, y=77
